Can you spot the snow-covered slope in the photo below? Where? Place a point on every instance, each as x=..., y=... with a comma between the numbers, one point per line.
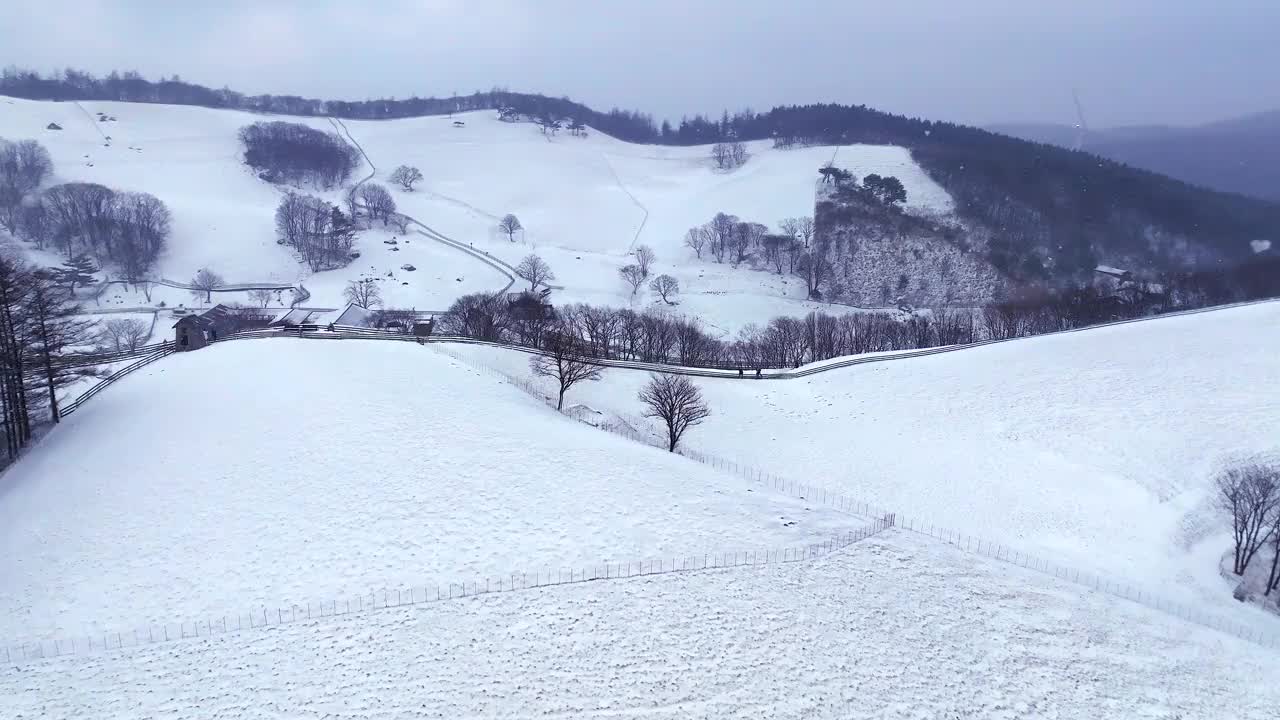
x=1093, y=449
x=892, y=627
x=584, y=201
x=269, y=472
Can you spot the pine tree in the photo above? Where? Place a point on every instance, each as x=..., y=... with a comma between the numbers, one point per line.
x=341, y=230
x=14, y=290
x=78, y=270
x=56, y=326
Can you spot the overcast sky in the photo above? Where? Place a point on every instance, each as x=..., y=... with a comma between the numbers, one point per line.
x=975, y=61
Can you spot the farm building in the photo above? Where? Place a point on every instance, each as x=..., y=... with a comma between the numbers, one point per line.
x=193, y=332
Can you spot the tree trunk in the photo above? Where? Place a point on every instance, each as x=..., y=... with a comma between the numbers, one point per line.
x=1273, y=579
x=9, y=434
x=560, y=404
x=49, y=374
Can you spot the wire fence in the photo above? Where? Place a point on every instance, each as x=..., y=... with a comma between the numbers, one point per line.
x=417, y=595
x=812, y=493
x=960, y=540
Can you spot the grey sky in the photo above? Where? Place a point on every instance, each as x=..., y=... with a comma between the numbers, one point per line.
x=976, y=61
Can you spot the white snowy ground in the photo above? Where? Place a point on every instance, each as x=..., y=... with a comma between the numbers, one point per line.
x=275, y=471
x=585, y=202
x=1094, y=449
x=223, y=216
x=892, y=627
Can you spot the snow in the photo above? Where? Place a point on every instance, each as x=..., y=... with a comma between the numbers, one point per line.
x=584, y=202
x=891, y=627
x=276, y=471
x=1093, y=449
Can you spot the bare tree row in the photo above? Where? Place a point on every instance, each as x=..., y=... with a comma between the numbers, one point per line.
x=624, y=334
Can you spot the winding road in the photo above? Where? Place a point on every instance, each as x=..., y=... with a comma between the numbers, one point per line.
x=422, y=228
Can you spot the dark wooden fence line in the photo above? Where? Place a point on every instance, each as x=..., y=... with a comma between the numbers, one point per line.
x=112, y=378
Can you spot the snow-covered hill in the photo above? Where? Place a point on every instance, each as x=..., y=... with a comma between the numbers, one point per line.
x=585, y=202
x=1093, y=449
x=270, y=472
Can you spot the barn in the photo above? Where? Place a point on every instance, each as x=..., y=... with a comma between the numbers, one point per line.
x=193, y=332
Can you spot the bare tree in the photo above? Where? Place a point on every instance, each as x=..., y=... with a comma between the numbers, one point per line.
x=696, y=239
x=804, y=230
x=677, y=402
x=775, y=250
x=406, y=176
x=80, y=211
x=729, y=155
x=745, y=236
x=790, y=227
x=206, y=281
x=364, y=293
x=632, y=275
x=510, y=225
x=1249, y=491
x=261, y=297
x=1273, y=578
x=124, y=335
x=666, y=286
x=721, y=229
x=320, y=232
x=814, y=268
x=644, y=259
x=142, y=226
x=377, y=202
x=23, y=166
x=399, y=221
x=565, y=362
x=35, y=224
x=535, y=270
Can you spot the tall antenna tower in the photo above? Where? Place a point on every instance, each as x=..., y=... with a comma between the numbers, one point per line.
x=1082, y=127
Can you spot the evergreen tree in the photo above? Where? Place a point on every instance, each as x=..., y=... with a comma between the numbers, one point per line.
x=341, y=230
x=14, y=290
x=56, y=326
x=78, y=270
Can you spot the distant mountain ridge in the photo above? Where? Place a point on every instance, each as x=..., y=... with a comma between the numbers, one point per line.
x=1237, y=155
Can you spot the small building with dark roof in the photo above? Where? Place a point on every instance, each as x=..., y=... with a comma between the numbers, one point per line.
x=193, y=332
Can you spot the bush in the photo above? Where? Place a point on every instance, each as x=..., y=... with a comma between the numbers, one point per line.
x=293, y=153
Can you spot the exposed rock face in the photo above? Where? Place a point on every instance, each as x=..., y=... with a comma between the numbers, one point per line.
x=882, y=256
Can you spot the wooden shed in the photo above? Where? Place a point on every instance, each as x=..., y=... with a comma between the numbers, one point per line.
x=195, y=331
x=191, y=333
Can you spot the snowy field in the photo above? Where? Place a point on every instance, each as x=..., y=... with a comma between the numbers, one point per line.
x=584, y=202
x=271, y=472
x=892, y=627
x=1094, y=449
